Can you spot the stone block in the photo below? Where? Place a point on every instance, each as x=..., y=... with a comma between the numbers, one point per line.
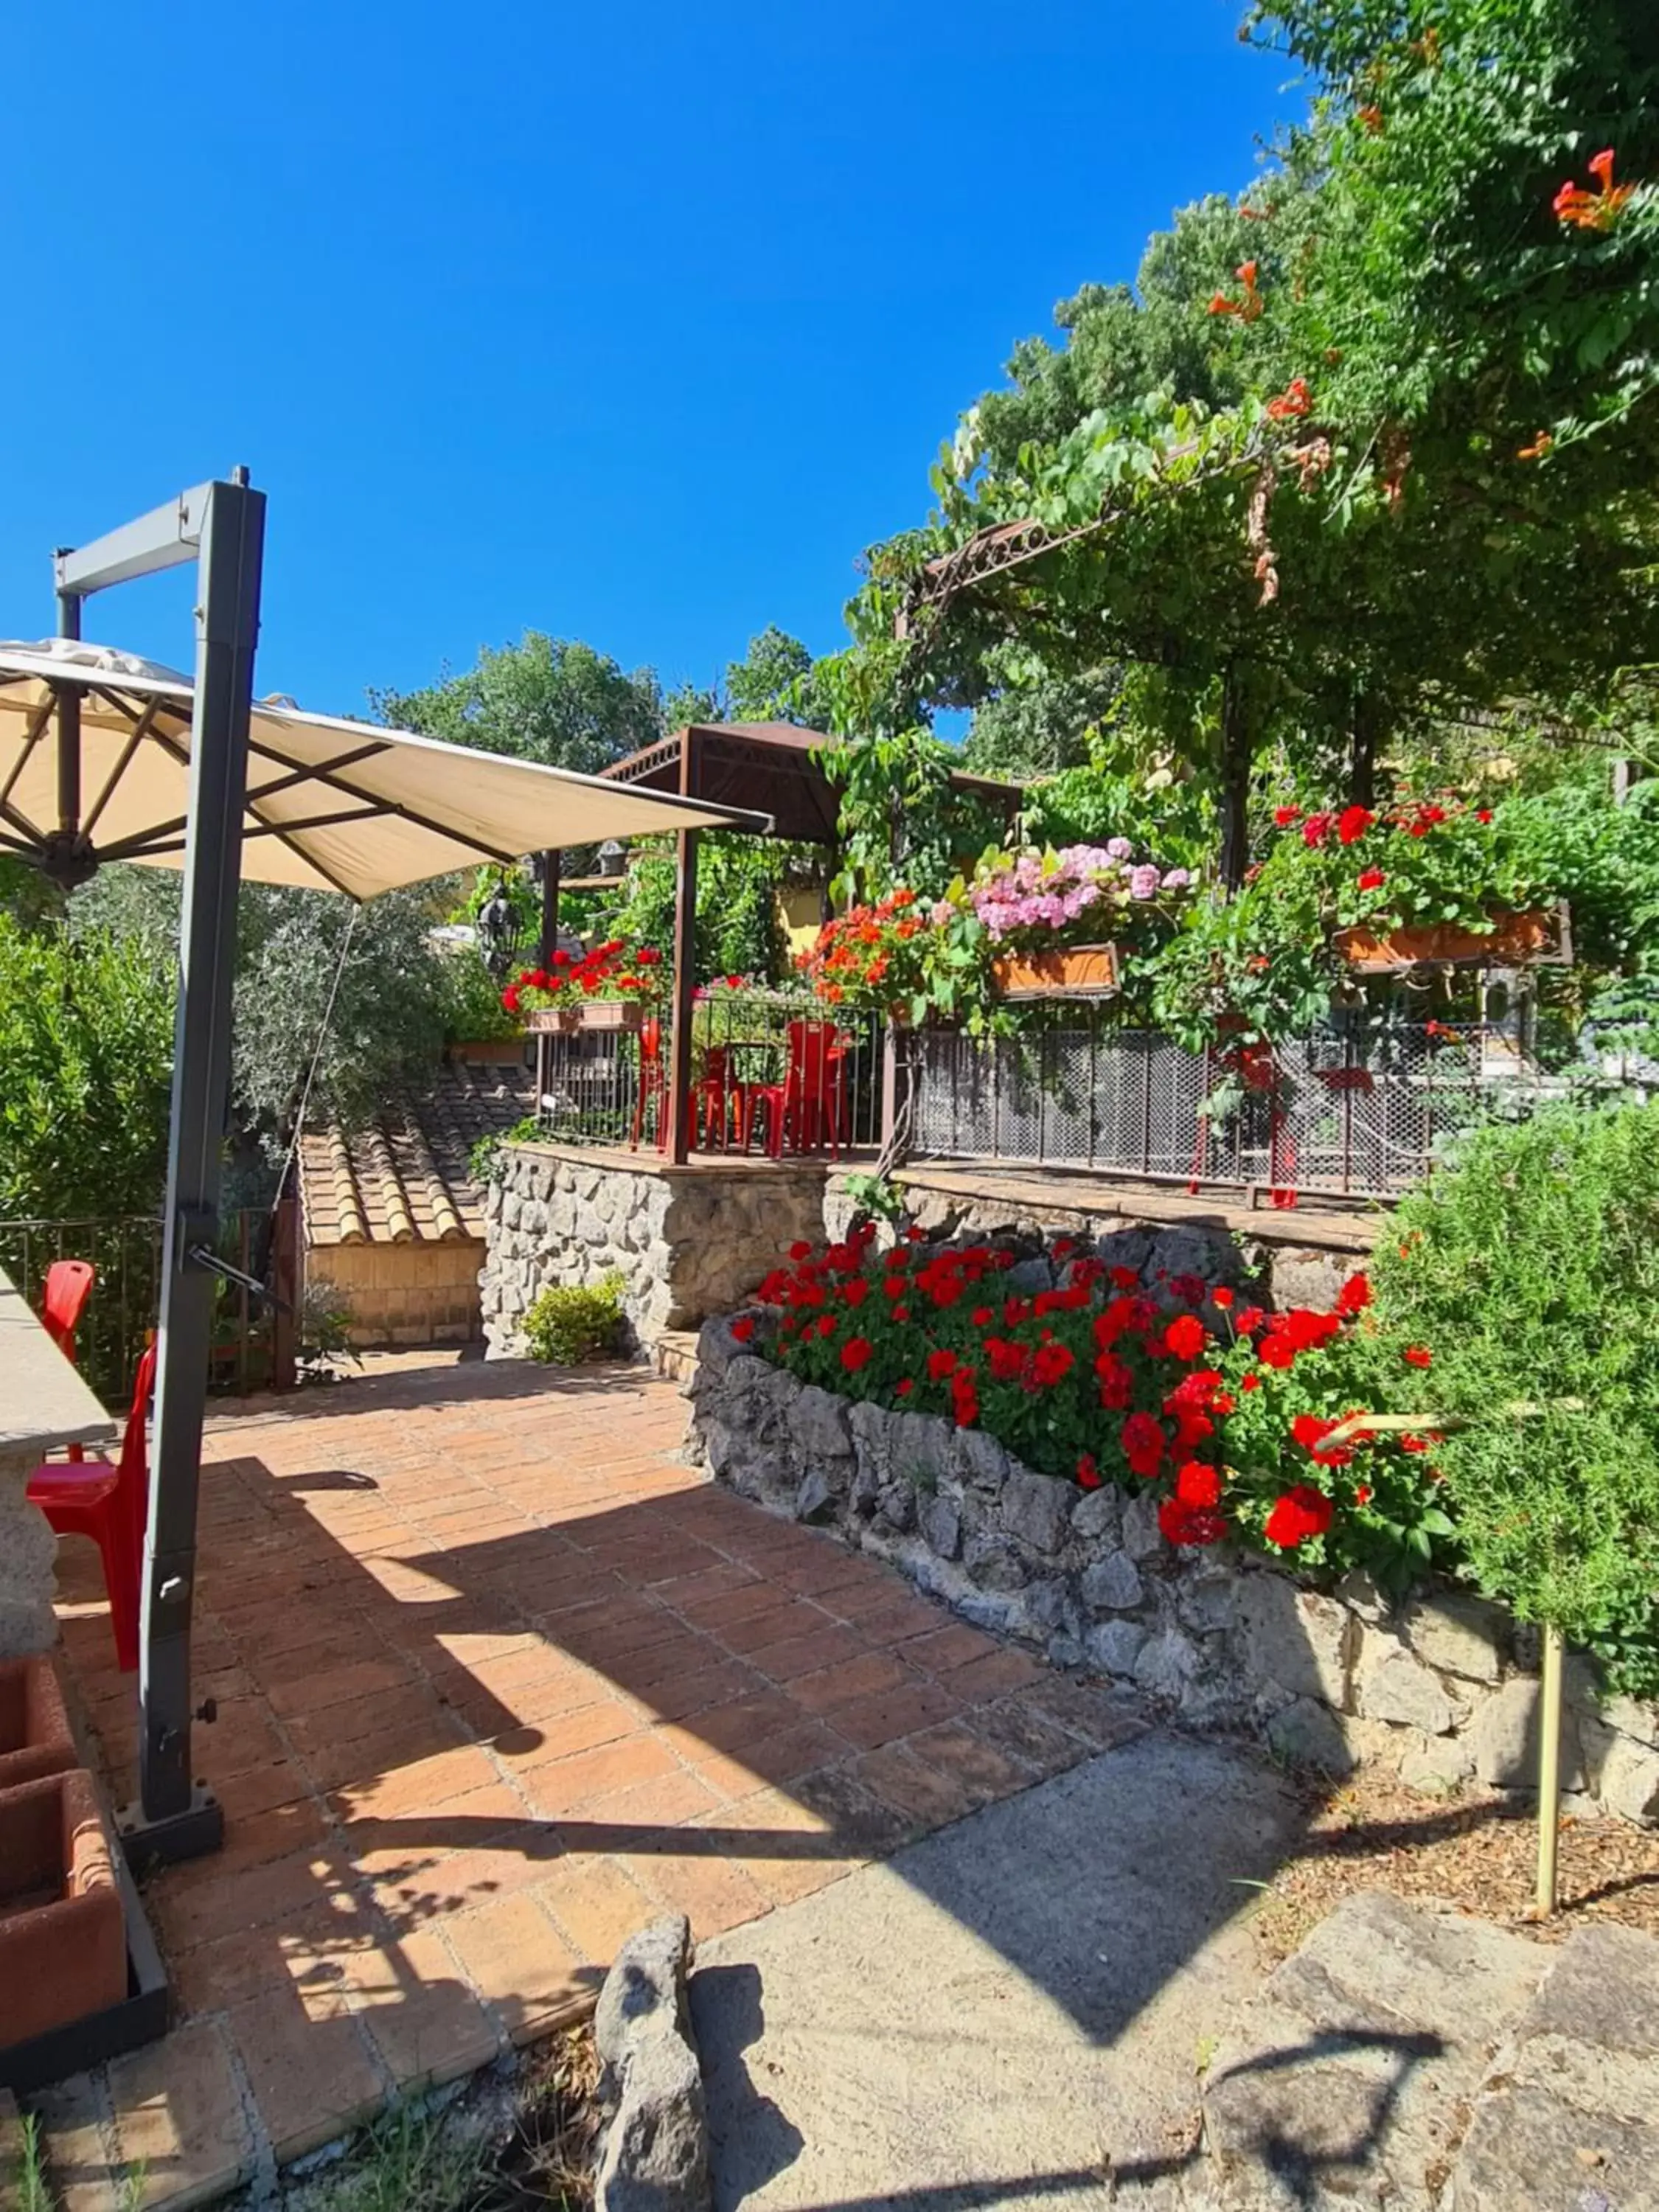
x=1307, y=1275
x=1113, y=1584
x=1395, y=1687
x=1504, y=1739
x=979, y=1461
x=1097, y=1517
x=1632, y=1718
x=993, y=1562
x=1126, y=1248
x=870, y=1427
x=918, y=1446
x=897, y=1507
x=1436, y=1764
x=814, y=1500
x=1628, y=1784
x=1168, y=1664
x=941, y=1524
x=1301, y=1641
x=1457, y=1634
x=654, y=2152
x=1114, y=1646
x=1036, y=1508
x=1307, y=1734
x=1143, y=1540
x=820, y=1421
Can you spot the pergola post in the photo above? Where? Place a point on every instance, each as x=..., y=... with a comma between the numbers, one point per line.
x=549, y=946
x=677, y=1101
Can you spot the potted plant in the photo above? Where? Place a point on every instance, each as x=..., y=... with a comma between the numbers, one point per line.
x=1062, y=924
x=612, y=986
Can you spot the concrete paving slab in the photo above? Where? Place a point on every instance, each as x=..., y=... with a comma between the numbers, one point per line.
x=949, y=2030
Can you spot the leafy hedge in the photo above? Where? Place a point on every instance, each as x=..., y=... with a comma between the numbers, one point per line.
x=1533, y=1271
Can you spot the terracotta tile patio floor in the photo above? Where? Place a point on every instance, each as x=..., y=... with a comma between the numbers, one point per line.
x=497, y=1679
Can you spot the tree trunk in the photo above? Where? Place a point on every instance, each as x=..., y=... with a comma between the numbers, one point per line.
x=1362, y=760
x=1237, y=753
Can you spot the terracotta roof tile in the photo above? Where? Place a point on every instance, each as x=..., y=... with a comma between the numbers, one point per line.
x=404, y=1179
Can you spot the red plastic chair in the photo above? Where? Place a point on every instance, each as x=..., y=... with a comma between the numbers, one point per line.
x=63, y=1301
x=109, y=1501
x=654, y=1085
x=807, y=1105
x=712, y=1097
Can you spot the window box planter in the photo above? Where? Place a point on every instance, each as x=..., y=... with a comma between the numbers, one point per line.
x=611, y=1014
x=554, y=1021
x=63, y=1937
x=1070, y=971
x=1539, y=937
x=34, y=1731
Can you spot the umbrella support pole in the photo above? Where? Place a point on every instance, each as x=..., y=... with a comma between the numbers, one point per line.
x=221, y=525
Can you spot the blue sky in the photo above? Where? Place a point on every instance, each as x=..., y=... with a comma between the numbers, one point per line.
x=631, y=324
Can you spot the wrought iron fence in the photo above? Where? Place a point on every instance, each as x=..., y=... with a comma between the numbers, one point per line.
x=1359, y=1110
x=125, y=1250
x=602, y=1086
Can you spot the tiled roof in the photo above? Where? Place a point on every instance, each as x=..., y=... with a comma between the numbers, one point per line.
x=404, y=1179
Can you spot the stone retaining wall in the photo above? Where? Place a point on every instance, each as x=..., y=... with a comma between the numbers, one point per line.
x=687, y=1241
x=1444, y=1690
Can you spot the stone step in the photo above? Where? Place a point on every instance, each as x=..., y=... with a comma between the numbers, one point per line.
x=1570, y=2114
x=1352, y=2079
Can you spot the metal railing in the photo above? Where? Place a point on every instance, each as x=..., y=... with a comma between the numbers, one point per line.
x=249, y=1352
x=1360, y=1111
x=609, y=1086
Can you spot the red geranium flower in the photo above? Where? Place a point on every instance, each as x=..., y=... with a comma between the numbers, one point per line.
x=941, y=1364
x=983, y=1316
x=800, y=1249
x=1198, y=1486
x=856, y=1353
x=1142, y=1440
x=1185, y=1337
x=904, y=1389
x=1418, y=1355
x=1355, y=1294
x=827, y=1325
x=1302, y=1512
x=744, y=1327
x=1353, y=823
x=1222, y=1297
x=1250, y=1382
x=1286, y=817
x=1125, y=1279
x=1182, y=1524
x=1088, y=1474
x=1053, y=1363
x=1371, y=880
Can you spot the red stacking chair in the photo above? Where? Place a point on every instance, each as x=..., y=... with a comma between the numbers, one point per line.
x=64, y=1300
x=654, y=1085
x=714, y=1096
x=806, y=1105
x=108, y=1501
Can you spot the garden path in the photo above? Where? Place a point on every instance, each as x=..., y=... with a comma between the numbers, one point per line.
x=497, y=1680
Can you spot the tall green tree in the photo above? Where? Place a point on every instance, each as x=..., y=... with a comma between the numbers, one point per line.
x=547, y=699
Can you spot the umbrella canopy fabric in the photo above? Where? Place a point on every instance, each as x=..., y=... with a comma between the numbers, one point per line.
x=333, y=804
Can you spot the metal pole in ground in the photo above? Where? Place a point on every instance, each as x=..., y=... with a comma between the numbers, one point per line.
x=1549, y=1771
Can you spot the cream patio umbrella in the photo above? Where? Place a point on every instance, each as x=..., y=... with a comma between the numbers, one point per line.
x=331, y=804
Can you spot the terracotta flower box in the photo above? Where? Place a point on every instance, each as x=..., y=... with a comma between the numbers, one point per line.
x=1539, y=936
x=611, y=1014
x=1070, y=971
x=63, y=1939
x=34, y=1730
x=553, y=1021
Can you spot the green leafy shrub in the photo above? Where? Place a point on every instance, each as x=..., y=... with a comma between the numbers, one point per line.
x=86, y=1072
x=570, y=1323
x=484, y=1162
x=1530, y=1276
